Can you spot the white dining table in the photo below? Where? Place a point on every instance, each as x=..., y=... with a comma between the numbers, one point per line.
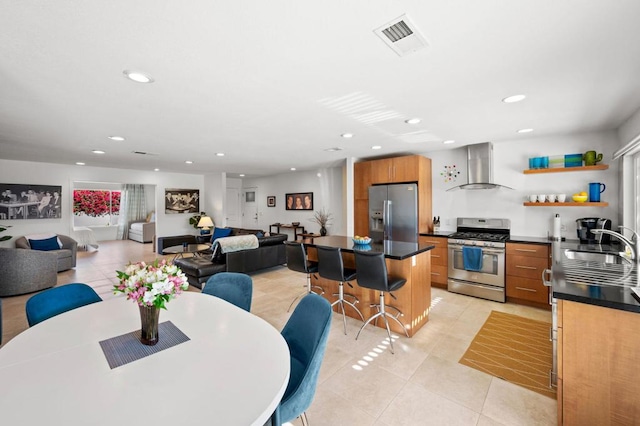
x=233, y=370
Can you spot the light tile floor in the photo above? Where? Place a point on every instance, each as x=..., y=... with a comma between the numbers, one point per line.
x=361, y=382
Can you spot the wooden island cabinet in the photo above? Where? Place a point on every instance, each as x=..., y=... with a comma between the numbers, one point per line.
x=408, y=260
x=598, y=359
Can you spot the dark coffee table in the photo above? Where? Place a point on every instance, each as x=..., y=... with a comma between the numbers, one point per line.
x=180, y=250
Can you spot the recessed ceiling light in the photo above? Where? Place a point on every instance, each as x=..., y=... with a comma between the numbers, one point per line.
x=241, y=175
x=525, y=130
x=412, y=121
x=293, y=169
x=347, y=135
x=220, y=154
x=514, y=98
x=97, y=151
x=156, y=170
x=189, y=162
x=333, y=149
x=79, y=163
x=116, y=138
x=376, y=147
x=448, y=141
x=138, y=77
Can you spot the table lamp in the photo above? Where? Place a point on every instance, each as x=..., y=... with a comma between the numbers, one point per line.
x=206, y=224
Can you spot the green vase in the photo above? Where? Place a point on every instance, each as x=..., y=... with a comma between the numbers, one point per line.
x=149, y=318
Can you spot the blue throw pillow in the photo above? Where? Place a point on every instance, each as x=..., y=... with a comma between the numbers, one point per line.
x=220, y=233
x=259, y=234
x=45, y=245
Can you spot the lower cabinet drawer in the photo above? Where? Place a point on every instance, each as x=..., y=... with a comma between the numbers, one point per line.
x=527, y=289
x=439, y=256
x=439, y=274
x=526, y=267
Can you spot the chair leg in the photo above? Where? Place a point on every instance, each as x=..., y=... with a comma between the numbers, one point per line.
x=341, y=301
x=384, y=314
x=303, y=417
x=309, y=289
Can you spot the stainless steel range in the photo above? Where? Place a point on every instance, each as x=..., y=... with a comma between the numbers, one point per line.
x=487, y=238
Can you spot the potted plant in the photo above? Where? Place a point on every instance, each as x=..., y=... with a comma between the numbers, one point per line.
x=193, y=220
x=322, y=218
x=2, y=229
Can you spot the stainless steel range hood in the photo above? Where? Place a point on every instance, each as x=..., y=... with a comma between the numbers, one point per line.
x=480, y=168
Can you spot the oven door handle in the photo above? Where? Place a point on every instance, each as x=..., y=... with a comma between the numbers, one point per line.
x=484, y=249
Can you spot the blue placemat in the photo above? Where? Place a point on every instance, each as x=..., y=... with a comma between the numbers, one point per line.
x=121, y=350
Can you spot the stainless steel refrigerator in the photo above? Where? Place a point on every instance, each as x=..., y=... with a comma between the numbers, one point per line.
x=393, y=212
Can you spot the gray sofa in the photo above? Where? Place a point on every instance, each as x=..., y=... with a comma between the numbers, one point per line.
x=198, y=269
x=25, y=271
x=66, y=255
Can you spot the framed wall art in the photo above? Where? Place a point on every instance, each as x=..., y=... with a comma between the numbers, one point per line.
x=299, y=201
x=20, y=201
x=271, y=201
x=181, y=201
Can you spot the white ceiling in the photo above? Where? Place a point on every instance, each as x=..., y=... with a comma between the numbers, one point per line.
x=273, y=84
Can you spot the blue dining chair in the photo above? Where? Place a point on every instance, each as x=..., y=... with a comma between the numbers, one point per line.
x=58, y=300
x=234, y=287
x=306, y=333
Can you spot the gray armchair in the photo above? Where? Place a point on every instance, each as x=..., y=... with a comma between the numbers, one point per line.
x=66, y=255
x=25, y=271
x=142, y=231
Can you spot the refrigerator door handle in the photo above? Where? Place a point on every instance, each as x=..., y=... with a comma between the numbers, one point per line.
x=385, y=219
x=389, y=221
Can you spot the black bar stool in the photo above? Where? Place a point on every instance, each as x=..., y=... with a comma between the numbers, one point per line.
x=372, y=273
x=331, y=267
x=297, y=261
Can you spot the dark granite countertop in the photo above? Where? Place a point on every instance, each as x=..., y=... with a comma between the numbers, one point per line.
x=398, y=250
x=444, y=234
x=591, y=282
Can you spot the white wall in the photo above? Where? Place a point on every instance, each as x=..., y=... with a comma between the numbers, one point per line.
x=510, y=159
x=630, y=129
x=327, y=188
x=23, y=172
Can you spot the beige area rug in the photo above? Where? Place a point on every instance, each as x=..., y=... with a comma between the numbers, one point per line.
x=515, y=349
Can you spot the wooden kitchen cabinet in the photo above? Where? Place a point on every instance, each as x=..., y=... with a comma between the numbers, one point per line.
x=524, y=266
x=396, y=170
x=598, y=356
x=361, y=183
x=439, y=260
x=411, y=168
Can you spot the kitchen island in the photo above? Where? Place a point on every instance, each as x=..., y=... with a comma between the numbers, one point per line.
x=598, y=350
x=408, y=260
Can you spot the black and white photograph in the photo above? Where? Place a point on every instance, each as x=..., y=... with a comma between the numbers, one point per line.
x=299, y=201
x=181, y=201
x=271, y=201
x=20, y=201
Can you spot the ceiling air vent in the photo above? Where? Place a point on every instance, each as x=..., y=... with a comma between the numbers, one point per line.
x=140, y=152
x=401, y=35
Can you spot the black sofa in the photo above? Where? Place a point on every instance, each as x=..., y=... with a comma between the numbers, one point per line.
x=198, y=269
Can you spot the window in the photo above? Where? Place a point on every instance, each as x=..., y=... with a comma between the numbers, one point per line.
x=95, y=207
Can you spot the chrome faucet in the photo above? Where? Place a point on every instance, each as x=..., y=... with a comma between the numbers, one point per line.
x=632, y=243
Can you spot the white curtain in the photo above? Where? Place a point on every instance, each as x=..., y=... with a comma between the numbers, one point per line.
x=133, y=206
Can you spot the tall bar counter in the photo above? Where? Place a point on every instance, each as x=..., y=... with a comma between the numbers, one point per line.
x=408, y=260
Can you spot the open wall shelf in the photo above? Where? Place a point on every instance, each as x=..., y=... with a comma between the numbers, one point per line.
x=566, y=169
x=569, y=204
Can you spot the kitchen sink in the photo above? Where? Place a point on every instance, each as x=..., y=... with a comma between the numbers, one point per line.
x=590, y=256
